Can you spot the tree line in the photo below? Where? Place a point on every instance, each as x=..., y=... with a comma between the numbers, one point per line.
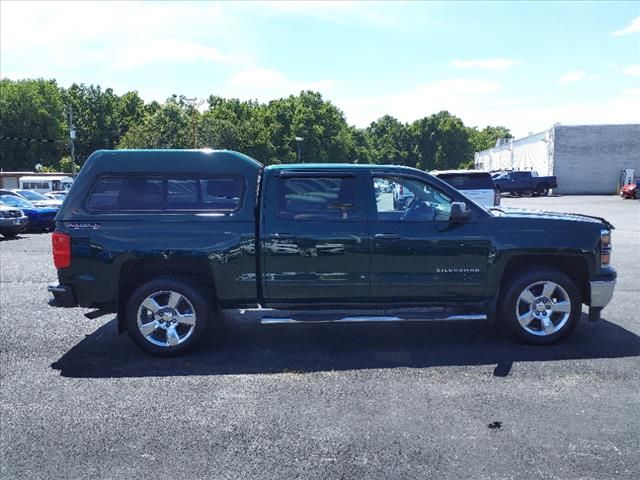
x=34, y=129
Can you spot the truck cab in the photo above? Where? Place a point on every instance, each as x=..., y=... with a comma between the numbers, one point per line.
x=165, y=239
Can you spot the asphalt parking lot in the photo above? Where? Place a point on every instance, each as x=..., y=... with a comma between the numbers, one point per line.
x=344, y=401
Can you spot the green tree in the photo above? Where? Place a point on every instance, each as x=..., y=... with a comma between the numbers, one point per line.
x=129, y=111
x=361, y=150
x=37, y=109
x=168, y=127
x=66, y=165
x=244, y=126
x=322, y=126
x=487, y=137
x=391, y=142
x=31, y=110
x=95, y=118
x=442, y=142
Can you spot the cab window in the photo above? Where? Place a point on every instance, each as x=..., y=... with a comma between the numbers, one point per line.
x=220, y=194
x=127, y=193
x=406, y=199
x=318, y=198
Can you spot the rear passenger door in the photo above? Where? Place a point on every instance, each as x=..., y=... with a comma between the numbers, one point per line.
x=315, y=241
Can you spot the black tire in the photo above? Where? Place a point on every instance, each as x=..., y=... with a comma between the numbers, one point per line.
x=10, y=234
x=542, y=190
x=196, y=300
x=511, y=306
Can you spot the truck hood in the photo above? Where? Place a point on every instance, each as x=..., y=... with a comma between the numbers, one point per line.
x=576, y=217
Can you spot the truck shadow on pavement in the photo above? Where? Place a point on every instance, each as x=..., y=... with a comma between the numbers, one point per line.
x=255, y=349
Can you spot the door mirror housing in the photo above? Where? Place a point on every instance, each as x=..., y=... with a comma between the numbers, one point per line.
x=459, y=213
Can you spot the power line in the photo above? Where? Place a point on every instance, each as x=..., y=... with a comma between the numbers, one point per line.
x=33, y=140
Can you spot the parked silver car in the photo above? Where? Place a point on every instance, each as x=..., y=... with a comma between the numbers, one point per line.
x=12, y=221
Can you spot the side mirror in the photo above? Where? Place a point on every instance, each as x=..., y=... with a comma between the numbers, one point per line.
x=459, y=213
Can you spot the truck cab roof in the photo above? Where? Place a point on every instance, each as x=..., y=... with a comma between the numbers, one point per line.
x=340, y=166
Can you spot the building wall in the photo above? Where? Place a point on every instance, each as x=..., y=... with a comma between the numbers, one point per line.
x=529, y=153
x=8, y=182
x=589, y=158
x=586, y=159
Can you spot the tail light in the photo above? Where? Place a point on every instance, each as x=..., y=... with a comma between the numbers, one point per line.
x=61, y=243
x=605, y=247
x=496, y=198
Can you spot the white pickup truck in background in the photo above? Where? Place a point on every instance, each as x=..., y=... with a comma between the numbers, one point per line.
x=474, y=184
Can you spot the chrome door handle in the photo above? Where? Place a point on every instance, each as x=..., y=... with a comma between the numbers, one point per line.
x=387, y=236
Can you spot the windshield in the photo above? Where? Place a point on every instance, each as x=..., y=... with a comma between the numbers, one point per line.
x=15, y=201
x=31, y=195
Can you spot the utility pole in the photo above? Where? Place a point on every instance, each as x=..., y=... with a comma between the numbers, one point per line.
x=72, y=137
x=195, y=103
x=298, y=144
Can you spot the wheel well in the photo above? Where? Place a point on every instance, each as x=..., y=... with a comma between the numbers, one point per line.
x=136, y=272
x=575, y=267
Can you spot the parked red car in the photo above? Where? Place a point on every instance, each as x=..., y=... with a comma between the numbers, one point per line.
x=631, y=190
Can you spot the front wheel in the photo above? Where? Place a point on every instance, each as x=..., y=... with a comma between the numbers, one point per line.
x=167, y=316
x=541, y=306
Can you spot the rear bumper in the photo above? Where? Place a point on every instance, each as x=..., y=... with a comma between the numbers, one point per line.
x=14, y=224
x=63, y=296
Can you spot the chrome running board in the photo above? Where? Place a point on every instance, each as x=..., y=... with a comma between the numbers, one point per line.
x=383, y=318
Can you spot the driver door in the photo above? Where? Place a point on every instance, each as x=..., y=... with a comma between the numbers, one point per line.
x=417, y=254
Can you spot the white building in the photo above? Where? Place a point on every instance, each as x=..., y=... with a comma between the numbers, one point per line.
x=584, y=158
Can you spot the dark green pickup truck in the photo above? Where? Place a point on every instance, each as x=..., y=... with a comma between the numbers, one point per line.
x=168, y=238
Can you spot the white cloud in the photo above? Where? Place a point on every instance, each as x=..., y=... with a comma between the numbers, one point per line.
x=576, y=76
x=495, y=64
x=631, y=92
x=105, y=36
x=633, y=70
x=633, y=27
x=169, y=50
x=373, y=13
x=266, y=84
x=257, y=78
x=480, y=103
x=455, y=95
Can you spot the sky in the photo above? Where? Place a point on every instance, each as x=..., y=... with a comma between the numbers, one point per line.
x=524, y=65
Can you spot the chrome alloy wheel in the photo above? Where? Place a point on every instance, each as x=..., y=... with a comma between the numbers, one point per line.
x=543, y=308
x=166, y=318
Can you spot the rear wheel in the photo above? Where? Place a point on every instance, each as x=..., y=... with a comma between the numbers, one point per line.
x=168, y=316
x=542, y=190
x=541, y=306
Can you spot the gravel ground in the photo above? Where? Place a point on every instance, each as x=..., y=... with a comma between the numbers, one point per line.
x=343, y=401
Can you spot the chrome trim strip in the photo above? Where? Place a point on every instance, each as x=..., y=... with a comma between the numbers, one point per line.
x=601, y=293
x=356, y=319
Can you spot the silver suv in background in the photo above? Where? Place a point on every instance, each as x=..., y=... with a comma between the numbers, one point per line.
x=474, y=184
